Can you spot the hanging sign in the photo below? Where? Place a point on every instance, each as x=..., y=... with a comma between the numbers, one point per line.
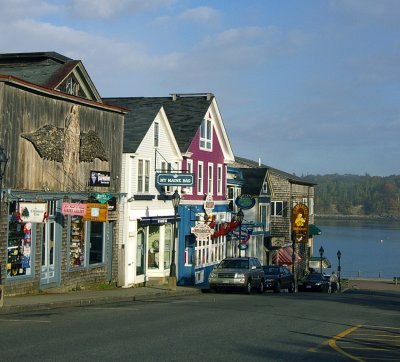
x=33, y=211
x=202, y=231
x=245, y=202
x=300, y=222
x=73, y=208
x=209, y=204
x=174, y=179
x=102, y=198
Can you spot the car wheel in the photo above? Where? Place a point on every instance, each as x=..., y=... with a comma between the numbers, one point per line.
x=277, y=288
x=247, y=288
x=261, y=288
x=291, y=287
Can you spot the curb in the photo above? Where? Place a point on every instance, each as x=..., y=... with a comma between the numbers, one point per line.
x=80, y=302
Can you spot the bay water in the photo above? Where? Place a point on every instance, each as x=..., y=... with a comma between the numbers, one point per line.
x=370, y=248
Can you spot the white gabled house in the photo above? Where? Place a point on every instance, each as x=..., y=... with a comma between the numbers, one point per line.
x=147, y=214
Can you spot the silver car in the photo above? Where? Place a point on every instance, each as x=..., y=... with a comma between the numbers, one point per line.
x=237, y=273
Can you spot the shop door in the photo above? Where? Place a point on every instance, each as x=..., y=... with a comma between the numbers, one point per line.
x=49, y=266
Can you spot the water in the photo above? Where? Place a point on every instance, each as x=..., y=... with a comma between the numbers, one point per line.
x=369, y=248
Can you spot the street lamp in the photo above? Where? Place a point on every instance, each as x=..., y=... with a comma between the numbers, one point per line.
x=339, y=269
x=3, y=165
x=239, y=218
x=321, y=253
x=176, y=199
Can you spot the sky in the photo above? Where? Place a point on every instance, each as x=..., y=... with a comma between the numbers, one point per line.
x=311, y=87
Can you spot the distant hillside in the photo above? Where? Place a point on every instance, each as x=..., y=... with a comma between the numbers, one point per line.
x=357, y=195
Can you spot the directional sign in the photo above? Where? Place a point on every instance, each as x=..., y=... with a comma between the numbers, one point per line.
x=174, y=179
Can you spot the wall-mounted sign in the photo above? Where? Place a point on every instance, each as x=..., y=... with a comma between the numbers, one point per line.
x=174, y=179
x=73, y=208
x=33, y=211
x=300, y=222
x=99, y=178
x=209, y=204
x=245, y=202
x=96, y=212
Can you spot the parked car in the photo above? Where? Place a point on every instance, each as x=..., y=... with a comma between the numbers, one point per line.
x=278, y=277
x=237, y=273
x=314, y=282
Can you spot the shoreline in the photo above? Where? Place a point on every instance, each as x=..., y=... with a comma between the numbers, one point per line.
x=356, y=217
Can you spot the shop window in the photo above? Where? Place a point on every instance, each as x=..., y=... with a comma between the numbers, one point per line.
x=168, y=239
x=140, y=253
x=19, y=247
x=86, y=242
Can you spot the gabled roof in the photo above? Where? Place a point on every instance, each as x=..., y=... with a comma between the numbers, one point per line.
x=49, y=70
x=253, y=180
x=142, y=112
x=184, y=113
x=245, y=163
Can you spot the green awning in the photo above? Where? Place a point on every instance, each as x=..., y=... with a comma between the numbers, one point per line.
x=313, y=230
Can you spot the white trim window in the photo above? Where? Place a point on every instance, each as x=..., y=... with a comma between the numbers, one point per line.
x=189, y=167
x=276, y=208
x=219, y=179
x=200, y=171
x=143, y=178
x=206, y=131
x=156, y=134
x=210, y=180
x=166, y=167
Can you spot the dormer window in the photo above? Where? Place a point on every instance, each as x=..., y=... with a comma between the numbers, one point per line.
x=206, y=135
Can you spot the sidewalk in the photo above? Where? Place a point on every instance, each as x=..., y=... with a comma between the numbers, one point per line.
x=48, y=300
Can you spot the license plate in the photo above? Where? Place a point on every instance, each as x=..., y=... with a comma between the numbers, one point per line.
x=225, y=281
x=308, y=286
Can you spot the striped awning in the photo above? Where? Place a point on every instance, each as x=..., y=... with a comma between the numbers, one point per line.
x=284, y=255
x=315, y=263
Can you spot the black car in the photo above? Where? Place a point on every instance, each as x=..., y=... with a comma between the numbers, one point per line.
x=278, y=277
x=314, y=282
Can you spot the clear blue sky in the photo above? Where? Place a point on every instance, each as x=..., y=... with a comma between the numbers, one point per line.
x=308, y=86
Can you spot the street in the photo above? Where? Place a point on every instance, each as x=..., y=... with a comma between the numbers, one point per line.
x=212, y=326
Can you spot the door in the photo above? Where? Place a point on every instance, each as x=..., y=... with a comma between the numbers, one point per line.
x=50, y=252
x=140, y=252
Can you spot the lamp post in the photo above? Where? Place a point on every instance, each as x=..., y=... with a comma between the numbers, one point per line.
x=239, y=218
x=176, y=199
x=339, y=255
x=321, y=254
x=3, y=165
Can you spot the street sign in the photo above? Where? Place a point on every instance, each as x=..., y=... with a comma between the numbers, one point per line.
x=174, y=179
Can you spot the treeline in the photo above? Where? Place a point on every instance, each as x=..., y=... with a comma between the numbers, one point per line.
x=357, y=195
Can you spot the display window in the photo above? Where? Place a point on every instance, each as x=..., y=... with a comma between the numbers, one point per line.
x=19, y=246
x=86, y=242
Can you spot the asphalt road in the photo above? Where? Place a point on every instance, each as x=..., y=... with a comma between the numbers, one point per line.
x=212, y=327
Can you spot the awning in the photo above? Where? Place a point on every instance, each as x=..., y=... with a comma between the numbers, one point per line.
x=284, y=256
x=313, y=230
x=315, y=262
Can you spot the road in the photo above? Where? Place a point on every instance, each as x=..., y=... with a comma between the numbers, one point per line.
x=212, y=327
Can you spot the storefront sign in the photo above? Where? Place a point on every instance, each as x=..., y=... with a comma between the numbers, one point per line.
x=102, y=198
x=33, y=211
x=202, y=231
x=99, y=178
x=73, y=208
x=300, y=222
x=174, y=179
x=209, y=204
x=245, y=202
x=96, y=212
x=277, y=242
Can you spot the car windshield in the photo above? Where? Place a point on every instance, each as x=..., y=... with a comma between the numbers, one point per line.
x=315, y=277
x=234, y=264
x=271, y=270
